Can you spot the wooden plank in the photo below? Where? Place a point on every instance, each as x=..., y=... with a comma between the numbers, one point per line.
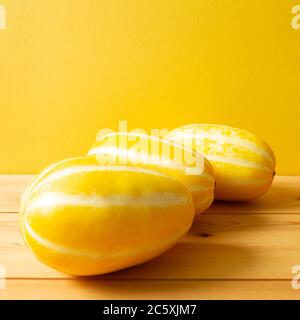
x=282, y=198
x=11, y=188
x=96, y=289
x=236, y=246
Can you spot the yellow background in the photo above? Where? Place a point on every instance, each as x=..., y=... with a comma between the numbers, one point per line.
x=71, y=67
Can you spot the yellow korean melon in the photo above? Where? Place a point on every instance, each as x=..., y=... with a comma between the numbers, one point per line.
x=244, y=164
x=152, y=152
x=83, y=218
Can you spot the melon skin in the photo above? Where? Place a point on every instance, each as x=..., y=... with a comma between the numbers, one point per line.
x=86, y=219
x=244, y=164
x=167, y=157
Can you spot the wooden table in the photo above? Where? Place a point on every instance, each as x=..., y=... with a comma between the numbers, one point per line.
x=234, y=251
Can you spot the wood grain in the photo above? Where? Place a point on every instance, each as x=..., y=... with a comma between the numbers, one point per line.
x=233, y=251
x=11, y=188
x=264, y=246
x=283, y=197
x=100, y=289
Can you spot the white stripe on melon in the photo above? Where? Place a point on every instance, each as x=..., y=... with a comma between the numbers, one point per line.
x=244, y=164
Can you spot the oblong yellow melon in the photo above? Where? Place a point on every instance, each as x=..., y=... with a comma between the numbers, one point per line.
x=152, y=152
x=244, y=164
x=83, y=218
